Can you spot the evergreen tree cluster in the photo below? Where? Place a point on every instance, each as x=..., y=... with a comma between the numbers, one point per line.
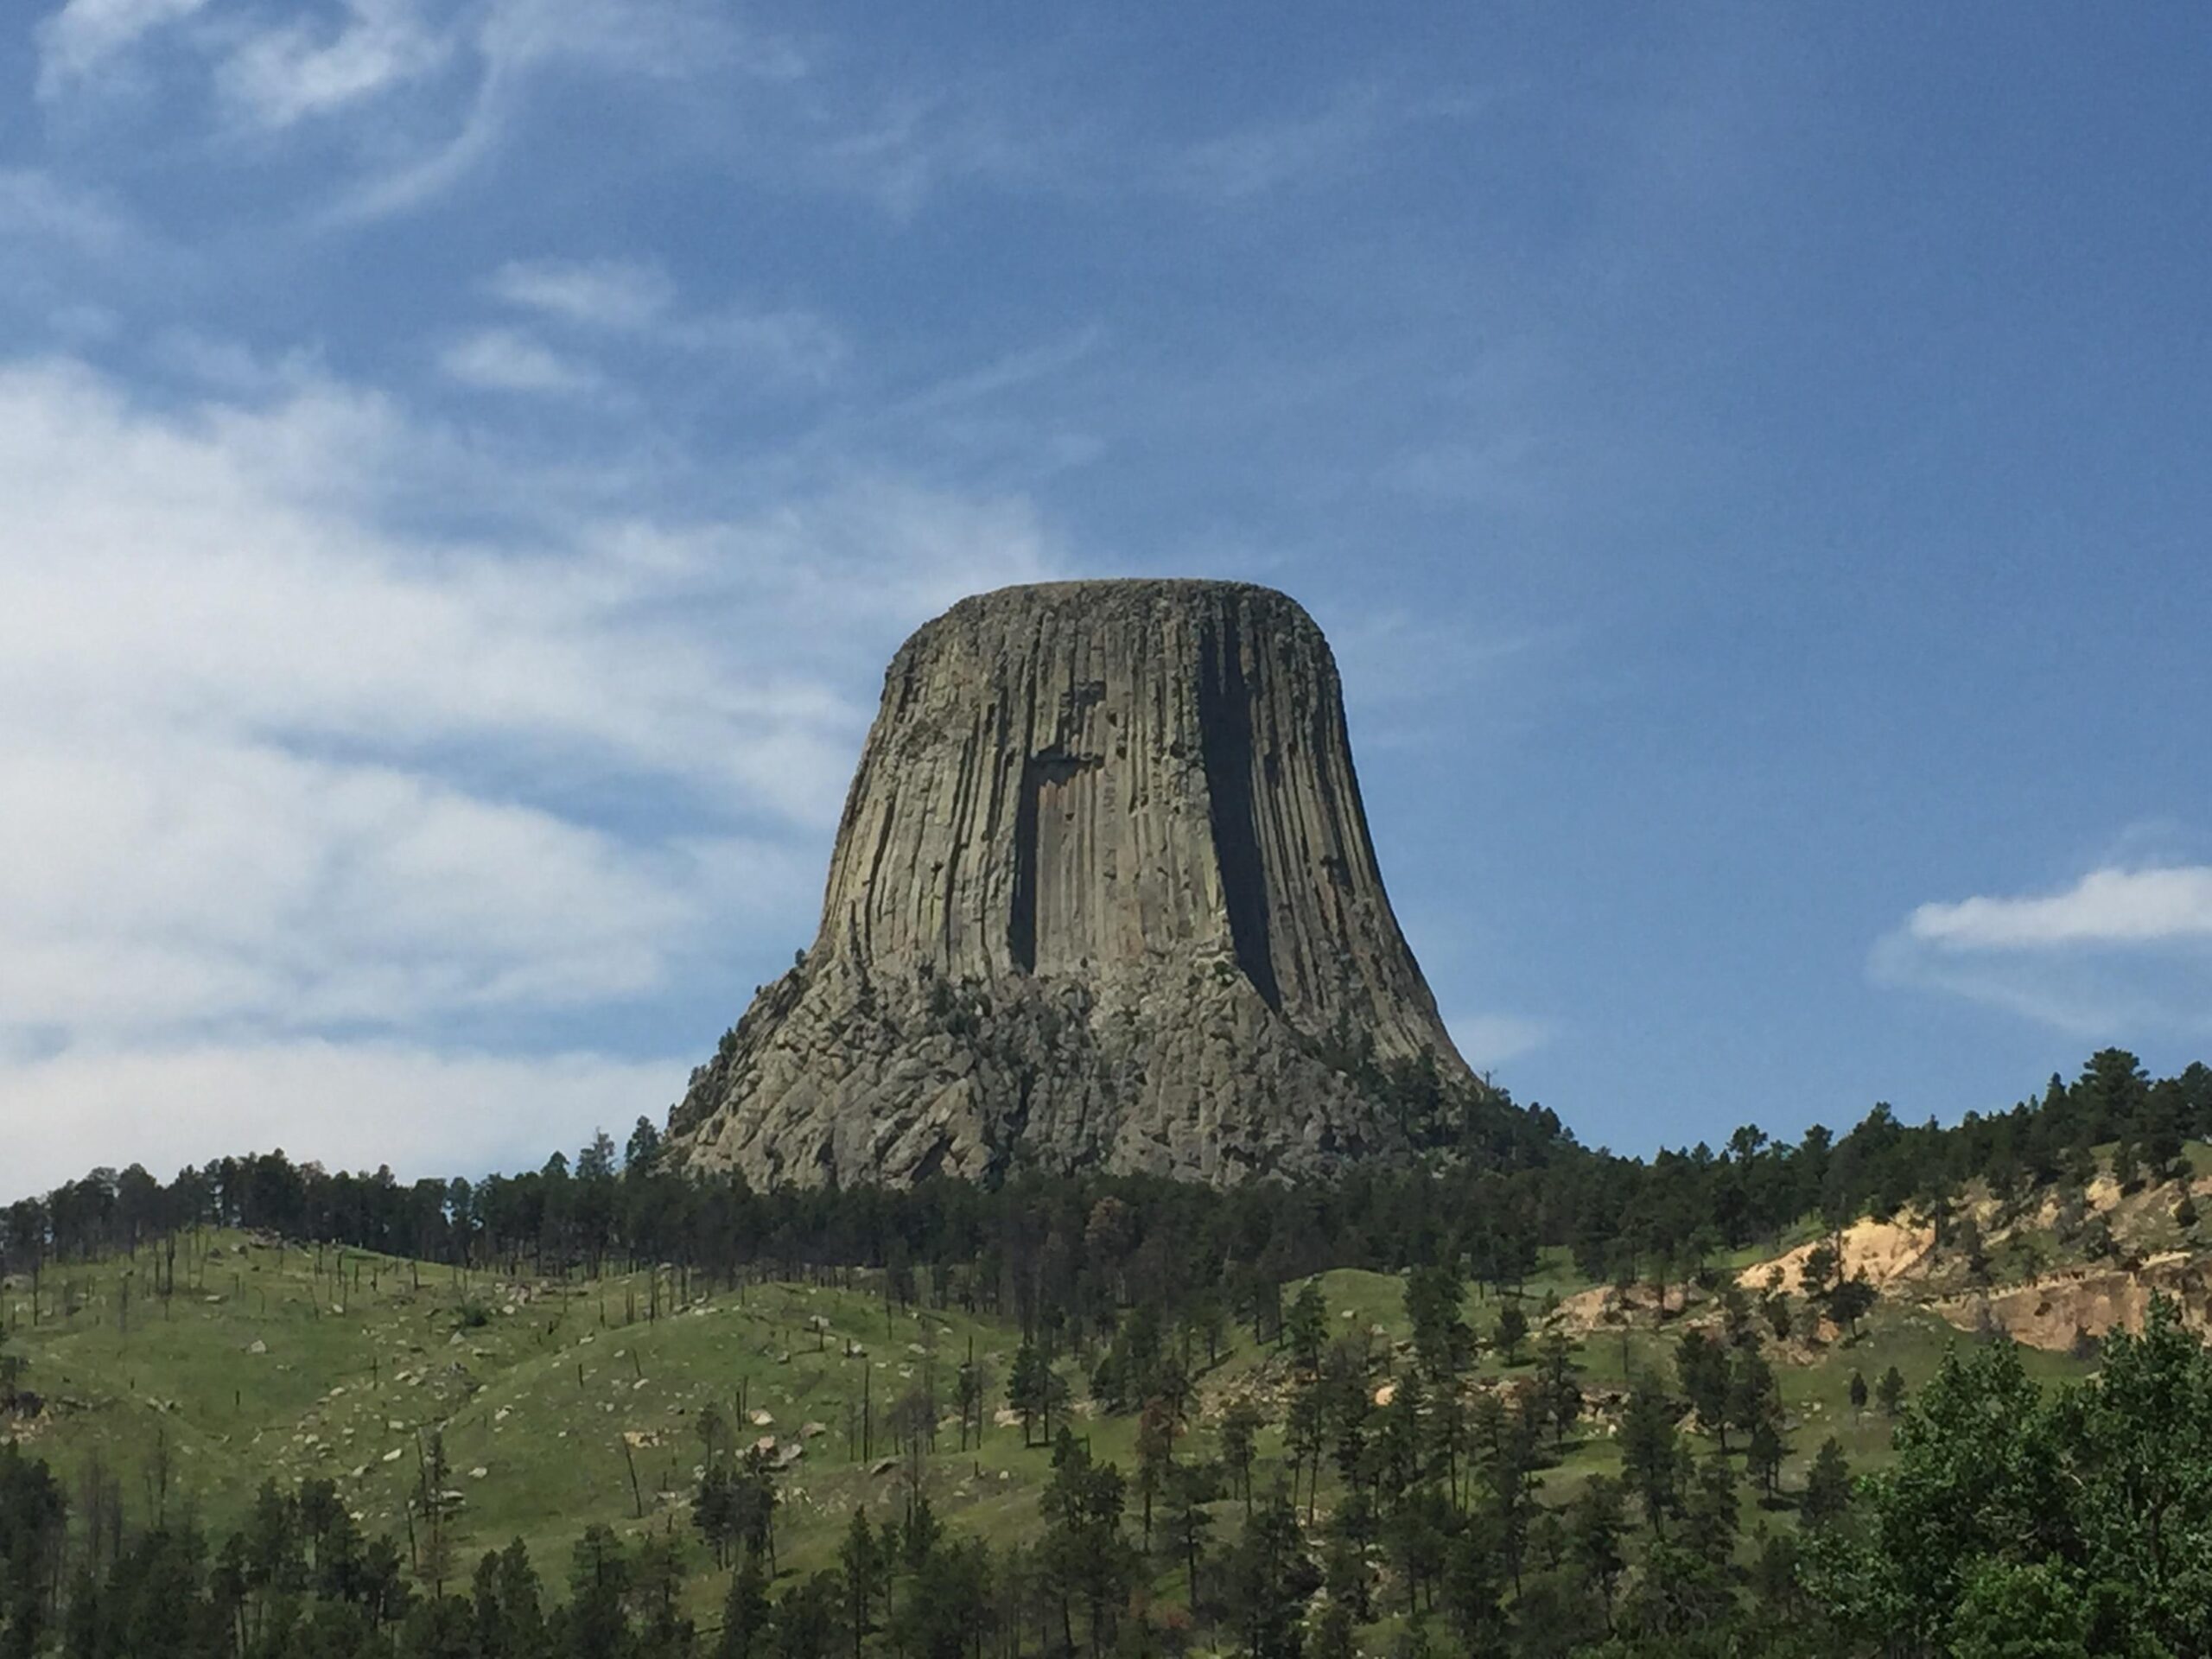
x=1500, y=1183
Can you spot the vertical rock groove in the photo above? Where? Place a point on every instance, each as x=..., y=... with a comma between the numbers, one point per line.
x=1102, y=894
x=1226, y=740
x=1021, y=925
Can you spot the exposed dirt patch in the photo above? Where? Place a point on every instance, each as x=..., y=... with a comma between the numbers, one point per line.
x=1607, y=1308
x=1586, y=1310
x=1886, y=1252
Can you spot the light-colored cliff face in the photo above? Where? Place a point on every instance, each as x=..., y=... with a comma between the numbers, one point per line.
x=1103, y=894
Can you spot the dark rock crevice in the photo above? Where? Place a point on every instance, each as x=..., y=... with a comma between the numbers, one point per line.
x=1225, y=742
x=1045, y=780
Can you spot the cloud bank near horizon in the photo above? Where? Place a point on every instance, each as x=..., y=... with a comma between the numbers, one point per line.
x=287, y=779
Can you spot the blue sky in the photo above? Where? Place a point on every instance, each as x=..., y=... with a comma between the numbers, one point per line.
x=467, y=463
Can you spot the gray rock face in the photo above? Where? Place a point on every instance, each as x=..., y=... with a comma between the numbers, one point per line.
x=1103, y=896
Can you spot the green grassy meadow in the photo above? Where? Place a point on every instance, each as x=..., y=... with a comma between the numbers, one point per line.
x=561, y=1403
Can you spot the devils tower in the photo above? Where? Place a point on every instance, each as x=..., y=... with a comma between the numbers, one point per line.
x=1103, y=897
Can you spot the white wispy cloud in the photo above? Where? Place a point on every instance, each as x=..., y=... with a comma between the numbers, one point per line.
x=307, y=66
x=506, y=360
x=283, y=779
x=33, y=206
x=86, y=36
x=1489, y=1040
x=905, y=148
x=2105, y=907
x=425, y=94
x=1409, y=679
x=907, y=144
x=638, y=301
x=1303, y=150
x=616, y=294
x=792, y=344
x=511, y=45
x=2124, y=948
x=228, y=366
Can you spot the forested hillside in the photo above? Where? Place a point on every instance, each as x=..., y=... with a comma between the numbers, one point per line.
x=1531, y=1399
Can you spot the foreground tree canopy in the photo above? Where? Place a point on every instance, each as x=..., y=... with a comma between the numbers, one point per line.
x=2017, y=1523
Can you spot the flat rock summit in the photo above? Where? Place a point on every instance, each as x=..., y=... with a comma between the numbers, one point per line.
x=1103, y=896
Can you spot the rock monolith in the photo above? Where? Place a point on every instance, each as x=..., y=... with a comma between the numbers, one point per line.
x=1103, y=897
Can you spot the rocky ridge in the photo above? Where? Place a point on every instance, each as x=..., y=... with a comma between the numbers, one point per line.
x=1103, y=896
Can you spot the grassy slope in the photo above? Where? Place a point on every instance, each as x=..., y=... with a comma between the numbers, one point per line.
x=541, y=1395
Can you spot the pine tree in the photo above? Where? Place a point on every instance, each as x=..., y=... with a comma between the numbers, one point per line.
x=857, y=1561
x=1594, y=1538
x=1270, y=1579
x=1702, y=1368
x=1817, y=1274
x=1307, y=1326
x=1442, y=1342
x=658, y=1592
x=1763, y=1456
x=1155, y=1451
x=805, y=1621
x=1557, y=1384
x=1028, y=1388
x=1890, y=1392
x=12, y=1367
x=1647, y=1450
x=1191, y=1487
x=1086, y=1558
x=1512, y=1331
x=971, y=1387
x=1304, y=1433
x=1851, y=1301
x=744, y=1611
x=1753, y=1395
x=433, y=1475
x=1710, y=1519
x=1828, y=1488
x=1473, y=1587
x=1240, y=1426
x=599, y=1588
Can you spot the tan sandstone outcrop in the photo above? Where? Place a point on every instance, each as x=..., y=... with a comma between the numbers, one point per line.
x=1883, y=1251
x=1102, y=895
x=2057, y=1310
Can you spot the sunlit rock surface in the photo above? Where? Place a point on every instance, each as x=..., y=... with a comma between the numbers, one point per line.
x=1103, y=896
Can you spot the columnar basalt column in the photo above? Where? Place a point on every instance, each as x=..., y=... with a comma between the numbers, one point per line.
x=1103, y=896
